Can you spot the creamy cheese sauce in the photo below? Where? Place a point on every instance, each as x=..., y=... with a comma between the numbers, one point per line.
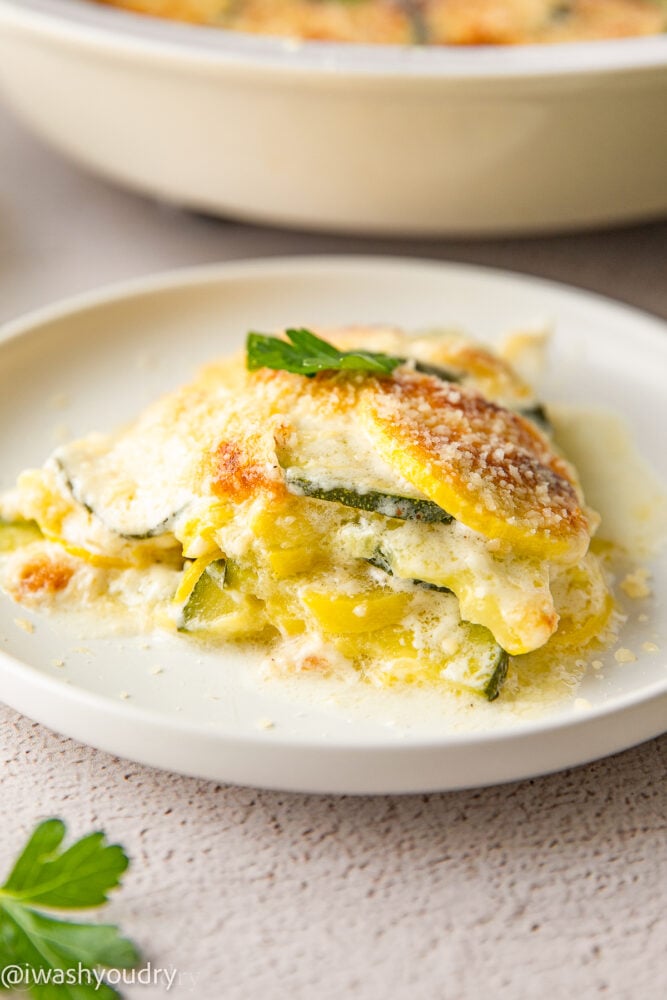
x=616, y=480
x=490, y=586
x=633, y=508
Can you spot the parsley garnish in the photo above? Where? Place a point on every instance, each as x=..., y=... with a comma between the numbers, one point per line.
x=307, y=354
x=77, y=878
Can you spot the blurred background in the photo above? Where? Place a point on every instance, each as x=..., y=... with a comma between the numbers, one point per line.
x=63, y=230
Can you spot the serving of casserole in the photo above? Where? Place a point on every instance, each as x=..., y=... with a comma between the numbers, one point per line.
x=357, y=502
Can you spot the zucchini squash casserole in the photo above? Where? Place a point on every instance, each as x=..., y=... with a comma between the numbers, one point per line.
x=374, y=504
x=421, y=22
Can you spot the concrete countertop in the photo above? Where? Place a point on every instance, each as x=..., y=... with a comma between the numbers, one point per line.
x=553, y=887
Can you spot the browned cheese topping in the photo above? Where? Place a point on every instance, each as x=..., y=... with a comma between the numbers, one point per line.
x=490, y=468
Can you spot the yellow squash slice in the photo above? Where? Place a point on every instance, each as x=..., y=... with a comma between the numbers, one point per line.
x=488, y=467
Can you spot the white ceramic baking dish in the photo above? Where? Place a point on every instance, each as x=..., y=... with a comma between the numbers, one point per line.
x=346, y=137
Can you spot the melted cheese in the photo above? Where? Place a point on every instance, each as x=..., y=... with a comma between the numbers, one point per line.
x=200, y=477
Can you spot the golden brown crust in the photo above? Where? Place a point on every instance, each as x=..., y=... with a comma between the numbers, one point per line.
x=238, y=476
x=436, y=22
x=43, y=574
x=490, y=468
x=490, y=374
x=380, y=21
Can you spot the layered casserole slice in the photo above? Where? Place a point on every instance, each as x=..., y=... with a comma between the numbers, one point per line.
x=360, y=502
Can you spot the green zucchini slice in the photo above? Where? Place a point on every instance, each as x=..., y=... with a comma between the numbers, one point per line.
x=81, y=484
x=217, y=607
x=380, y=560
x=375, y=501
x=338, y=463
x=439, y=371
x=480, y=665
x=207, y=600
x=15, y=534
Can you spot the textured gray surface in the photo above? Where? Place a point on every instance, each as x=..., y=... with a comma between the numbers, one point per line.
x=553, y=887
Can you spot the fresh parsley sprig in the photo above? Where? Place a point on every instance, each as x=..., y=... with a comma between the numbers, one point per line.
x=77, y=878
x=303, y=353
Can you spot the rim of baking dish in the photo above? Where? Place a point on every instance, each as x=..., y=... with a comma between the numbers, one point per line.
x=108, y=29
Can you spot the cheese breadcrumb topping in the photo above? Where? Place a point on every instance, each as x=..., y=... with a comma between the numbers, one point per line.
x=490, y=468
x=414, y=528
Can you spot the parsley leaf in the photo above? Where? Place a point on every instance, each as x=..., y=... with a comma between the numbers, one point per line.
x=77, y=878
x=307, y=354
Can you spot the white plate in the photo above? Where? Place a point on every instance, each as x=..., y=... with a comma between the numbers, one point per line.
x=96, y=361
x=384, y=139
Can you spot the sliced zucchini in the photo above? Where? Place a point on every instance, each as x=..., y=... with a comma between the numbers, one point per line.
x=156, y=531
x=388, y=504
x=471, y=660
x=138, y=526
x=380, y=559
x=15, y=534
x=480, y=664
x=439, y=371
x=214, y=608
x=206, y=601
x=334, y=459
